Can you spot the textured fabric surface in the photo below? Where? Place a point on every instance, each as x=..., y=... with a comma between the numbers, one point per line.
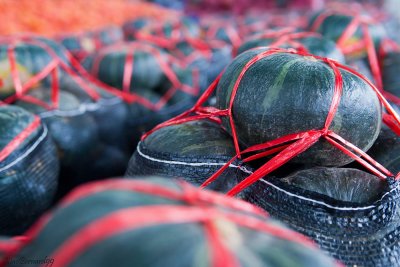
x=28, y=182
x=366, y=234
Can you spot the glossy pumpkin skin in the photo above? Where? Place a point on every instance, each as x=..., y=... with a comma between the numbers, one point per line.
x=28, y=176
x=150, y=244
x=280, y=89
x=318, y=46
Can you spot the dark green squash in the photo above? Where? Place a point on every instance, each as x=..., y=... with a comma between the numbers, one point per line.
x=168, y=29
x=278, y=90
x=209, y=66
x=316, y=45
x=333, y=26
x=28, y=175
x=146, y=73
x=151, y=83
x=81, y=122
x=223, y=31
x=165, y=223
x=351, y=214
x=30, y=59
x=80, y=45
x=186, y=25
x=194, y=150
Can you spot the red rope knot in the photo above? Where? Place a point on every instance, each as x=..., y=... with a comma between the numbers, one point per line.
x=325, y=131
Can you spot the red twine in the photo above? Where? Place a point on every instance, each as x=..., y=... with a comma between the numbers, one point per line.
x=20, y=138
x=205, y=207
x=299, y=142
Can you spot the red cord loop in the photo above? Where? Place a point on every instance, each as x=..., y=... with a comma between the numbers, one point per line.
x=289, y=146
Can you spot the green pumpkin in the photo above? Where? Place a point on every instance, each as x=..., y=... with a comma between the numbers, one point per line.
x=194, y=150
x=222, y=34
x=146, y=73
x=171, y=241
x=209, y=67
x=333, y=26
x=316, y=45
x=82, y=44
x=280, y=89
x=28, y=175
x=30, y=59
x=186, y=26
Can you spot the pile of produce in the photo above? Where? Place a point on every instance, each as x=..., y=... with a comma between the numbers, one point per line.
x=139, y=221
x=291, y=106
x=297, y=104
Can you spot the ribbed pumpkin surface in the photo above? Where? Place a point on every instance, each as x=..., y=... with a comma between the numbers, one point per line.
x=287, y=93
x=136, y=223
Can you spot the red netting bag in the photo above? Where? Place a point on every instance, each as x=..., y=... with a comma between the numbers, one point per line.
x=83, y=44
x=28, y=169
x=313, y=111
x=288, y=37
x=138, y=221
x=87, y=118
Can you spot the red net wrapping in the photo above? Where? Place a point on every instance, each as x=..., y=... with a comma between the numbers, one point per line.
x=19, y=139
x=359, y=20
x=289, y=146
x=89, y=42
x=203, y=208
x=82, y=78
x=154, y=30
x=288, y=36
x=165, y=62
